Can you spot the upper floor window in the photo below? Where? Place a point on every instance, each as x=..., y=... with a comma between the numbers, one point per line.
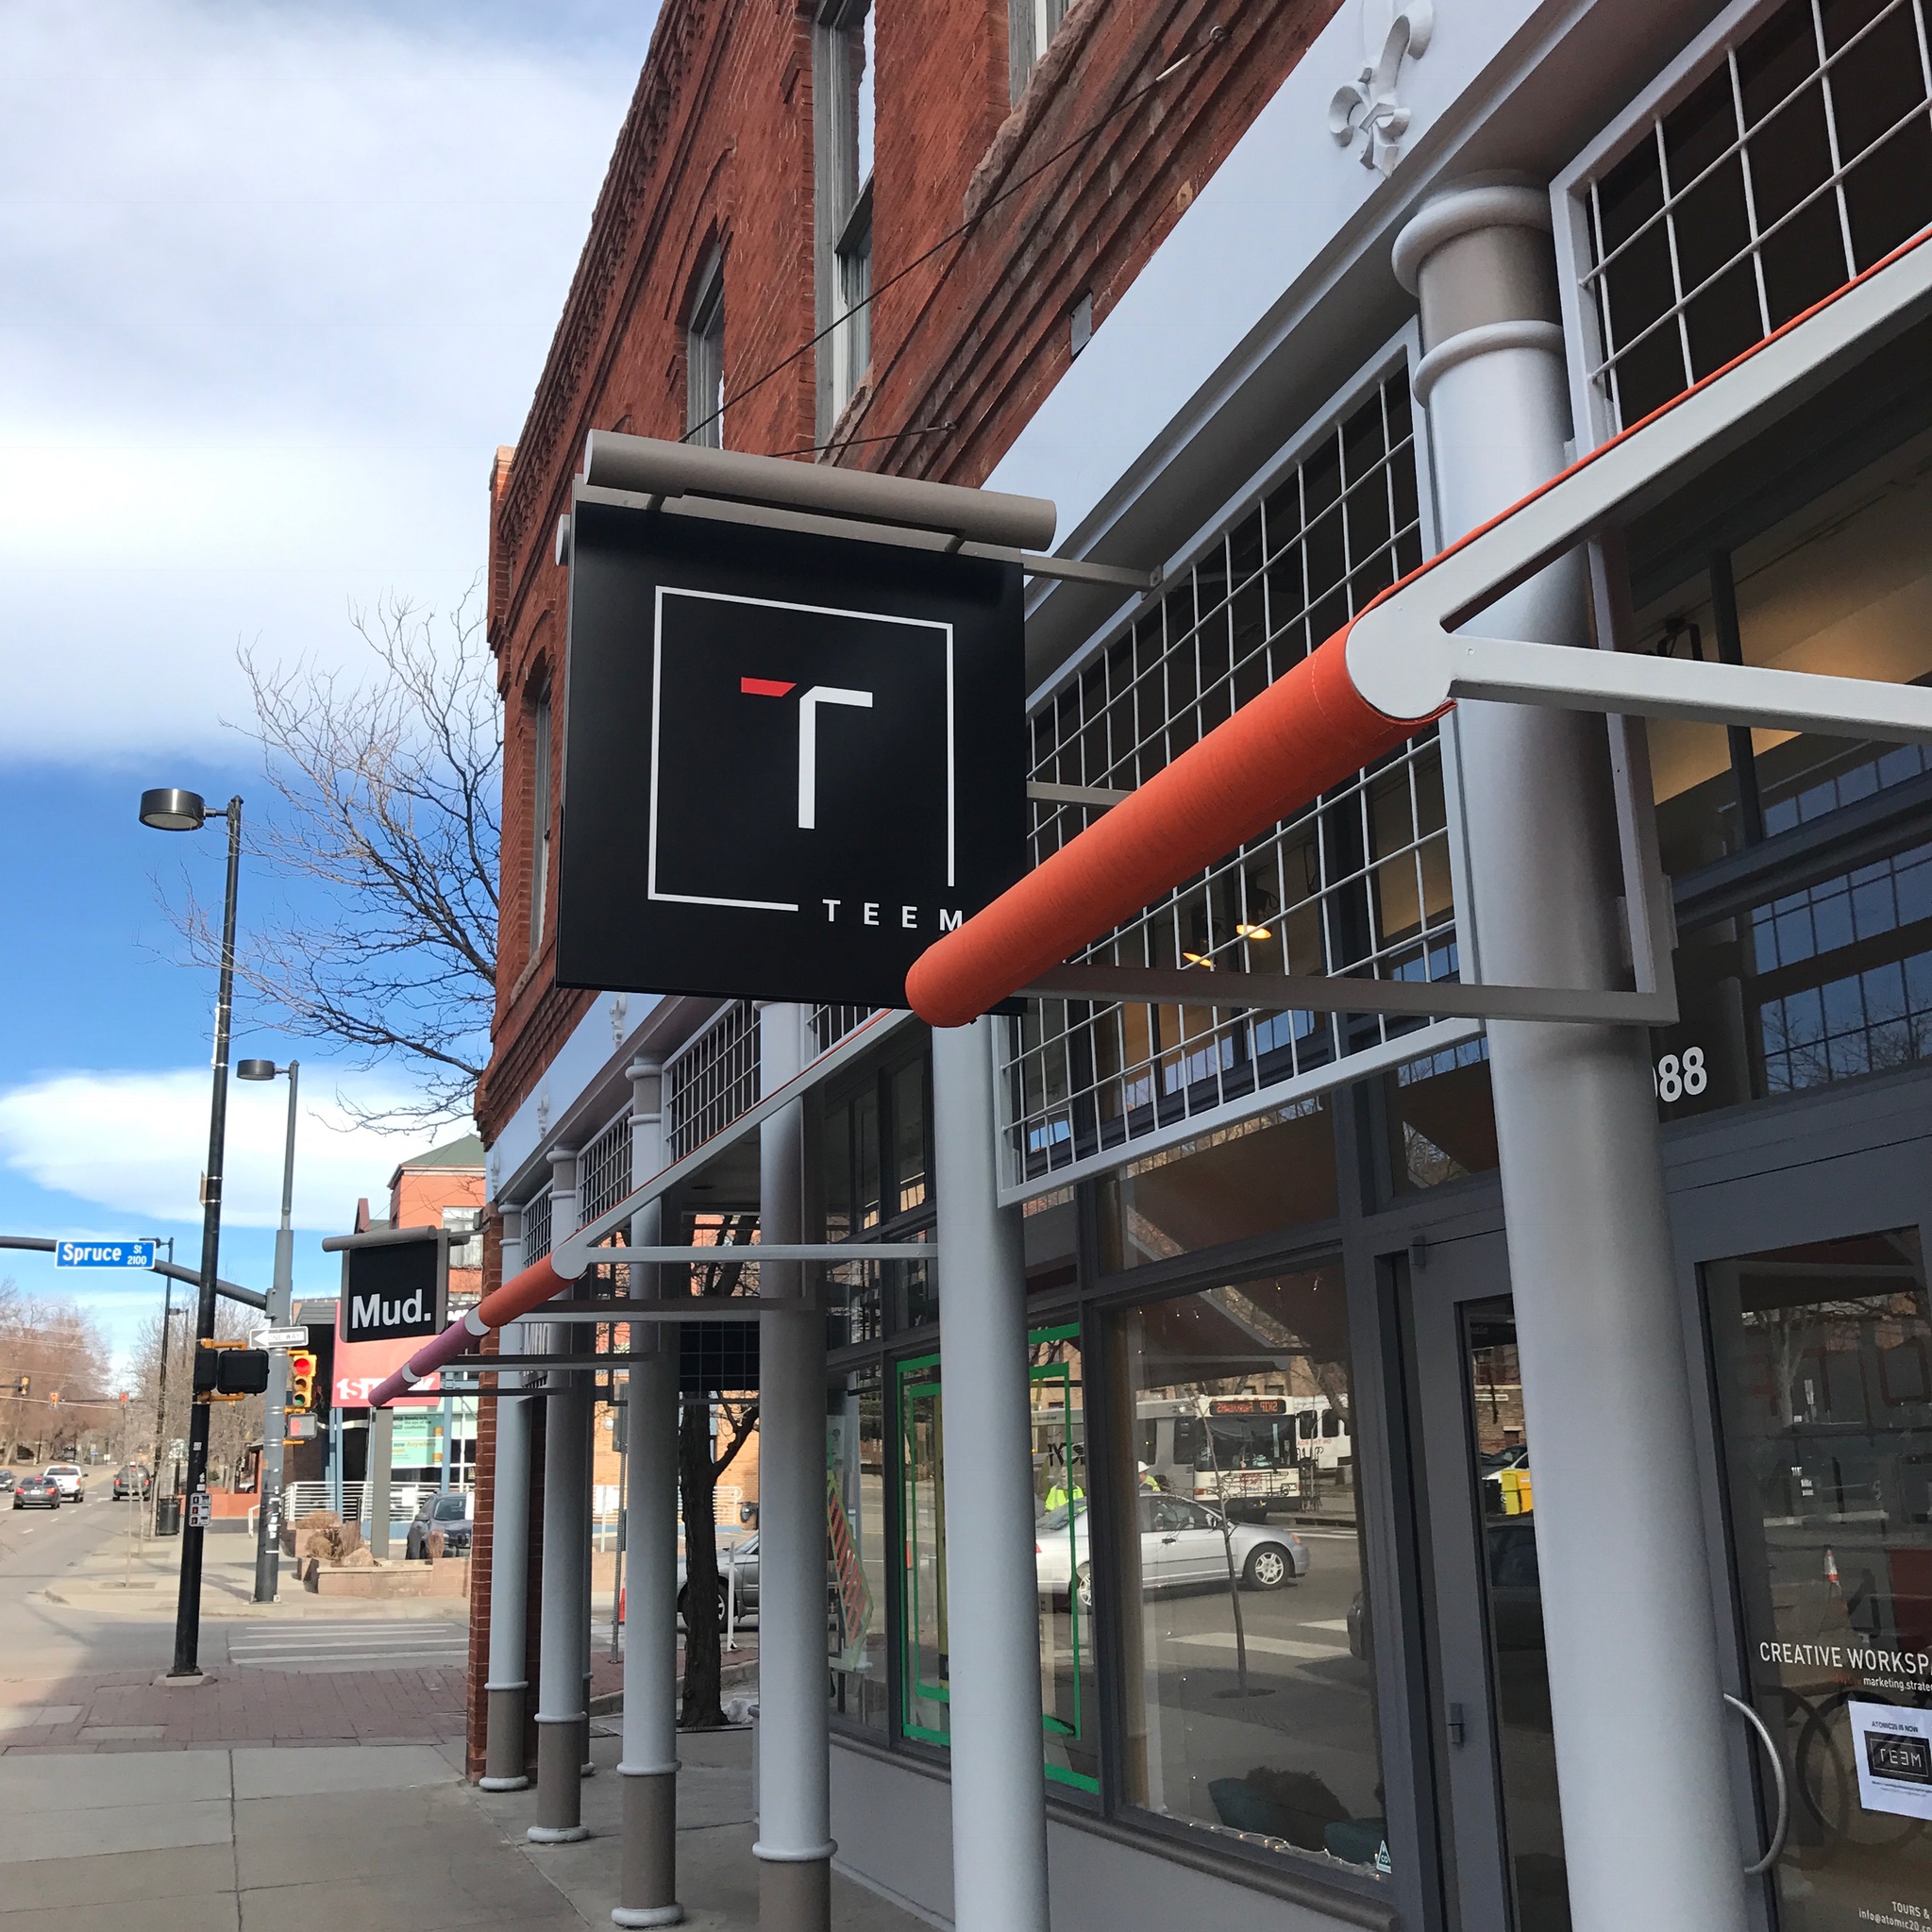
x=1791, y=152
x=704, y=359
x=1029, y=25
x=540, y=812
x=844, y=94
x=465, y=1228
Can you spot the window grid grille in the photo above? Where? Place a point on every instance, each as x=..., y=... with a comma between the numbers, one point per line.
x=830, y=1024
x=603, y=1168
x=711, y=1080
x=1801, y=158
x=1360, y=883
x=536, y=1228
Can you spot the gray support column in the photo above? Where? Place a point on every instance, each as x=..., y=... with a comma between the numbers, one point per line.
x=563, y=1647
x=647, y=1884
x=999, y=1787
x=503, y=1765
x=1648, y=1830
x=795, y=1844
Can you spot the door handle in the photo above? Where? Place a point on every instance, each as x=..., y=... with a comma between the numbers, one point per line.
x=1175, y=1539
x=1777, y=1772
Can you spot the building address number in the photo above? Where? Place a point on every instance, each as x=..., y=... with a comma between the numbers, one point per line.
x=1677, y=1076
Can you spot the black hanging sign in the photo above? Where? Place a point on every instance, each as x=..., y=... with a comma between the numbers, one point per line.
x=394, y=1285
x=791, y=762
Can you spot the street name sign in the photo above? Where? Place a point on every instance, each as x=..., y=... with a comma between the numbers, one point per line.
x=104, y=1254
x=282, y=1338
x=791, y=761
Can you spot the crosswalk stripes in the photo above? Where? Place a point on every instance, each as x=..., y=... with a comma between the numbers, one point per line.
x=371, y=1644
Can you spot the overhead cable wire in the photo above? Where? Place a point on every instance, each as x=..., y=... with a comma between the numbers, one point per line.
x=1215, y=37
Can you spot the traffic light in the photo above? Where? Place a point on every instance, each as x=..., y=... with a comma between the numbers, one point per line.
x=55, y=1399
x=21, y=1384
x=302, y=1367
x=226, y=1371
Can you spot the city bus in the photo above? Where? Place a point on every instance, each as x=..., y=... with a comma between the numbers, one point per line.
x=1233, y=1451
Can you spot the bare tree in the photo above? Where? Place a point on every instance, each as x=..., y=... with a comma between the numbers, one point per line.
x=385, y=803
x=234, y=1427
x=57, y=1350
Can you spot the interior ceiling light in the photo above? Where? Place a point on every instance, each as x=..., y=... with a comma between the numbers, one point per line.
x=1199, y=959
x=1253, y=932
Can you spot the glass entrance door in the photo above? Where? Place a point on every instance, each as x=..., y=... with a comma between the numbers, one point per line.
x=1477, y=1472
x=1824, y=1394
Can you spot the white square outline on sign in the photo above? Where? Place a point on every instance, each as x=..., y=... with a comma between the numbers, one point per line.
x=657, y=686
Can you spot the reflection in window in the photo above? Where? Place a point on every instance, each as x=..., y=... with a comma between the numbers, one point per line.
x=1270, y=1171
x=1069, y=1715
x=1050, y=1225
x=924, y=1661
x=1802, y=160
x=1248, y=1703
x=1826, y=1403
x=1441, y=1120
x=856, y=1549
x=1842, y=586
x=1513, y=1603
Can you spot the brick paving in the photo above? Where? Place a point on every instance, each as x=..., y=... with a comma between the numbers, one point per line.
x=129, y=1711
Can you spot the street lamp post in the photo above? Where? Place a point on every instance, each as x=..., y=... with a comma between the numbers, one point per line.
x=177, y=810
x=280, y=1301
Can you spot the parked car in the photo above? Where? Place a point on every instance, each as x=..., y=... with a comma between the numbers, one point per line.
x=36, y=1493
x=451, y=1515
x=5, y=1482
x=131, y=1480
x=740, y=1563
x=73, y=1483
x=1182, y=1547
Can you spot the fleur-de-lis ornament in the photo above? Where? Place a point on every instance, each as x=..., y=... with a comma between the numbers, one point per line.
x=1368, y=106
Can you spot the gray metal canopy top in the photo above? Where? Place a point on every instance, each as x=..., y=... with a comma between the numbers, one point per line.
x=652, y=468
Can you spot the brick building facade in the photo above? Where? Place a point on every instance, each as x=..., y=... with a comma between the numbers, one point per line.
x=1493, y=1382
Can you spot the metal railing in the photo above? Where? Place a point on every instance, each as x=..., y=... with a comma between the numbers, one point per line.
x=712, y=1079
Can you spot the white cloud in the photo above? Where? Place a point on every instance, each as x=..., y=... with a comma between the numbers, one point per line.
x=275, y=281
x=136, y=1143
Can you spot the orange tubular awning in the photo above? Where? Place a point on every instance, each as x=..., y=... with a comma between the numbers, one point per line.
x=1308, y=731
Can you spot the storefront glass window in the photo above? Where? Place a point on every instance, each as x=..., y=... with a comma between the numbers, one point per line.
x=1797, y=972
x=1824, y=1360
x=856, y=1544
x=1441, y=1120
x=1802, y=160
x=909, y=1136
x=1068, y=1709
x=1271, y=1171
x=924, y=1663
x=1249, y=1701
x=1513, y=1603
x=1842, y=586
x=1050, y=1224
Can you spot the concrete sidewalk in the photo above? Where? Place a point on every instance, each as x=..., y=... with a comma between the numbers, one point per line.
x=381, y=1838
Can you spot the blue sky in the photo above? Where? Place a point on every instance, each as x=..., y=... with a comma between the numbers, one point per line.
x=274, y=282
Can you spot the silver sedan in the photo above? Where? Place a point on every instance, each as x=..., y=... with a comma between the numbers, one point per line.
x=1183, y=1544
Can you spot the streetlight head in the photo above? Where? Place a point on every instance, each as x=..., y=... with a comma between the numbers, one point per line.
x=171, y=810
x=255, y=1069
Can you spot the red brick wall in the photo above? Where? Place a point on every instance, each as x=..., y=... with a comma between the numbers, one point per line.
x=718, y=149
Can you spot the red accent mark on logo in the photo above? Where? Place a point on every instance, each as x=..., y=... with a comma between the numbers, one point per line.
x=764, y=687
